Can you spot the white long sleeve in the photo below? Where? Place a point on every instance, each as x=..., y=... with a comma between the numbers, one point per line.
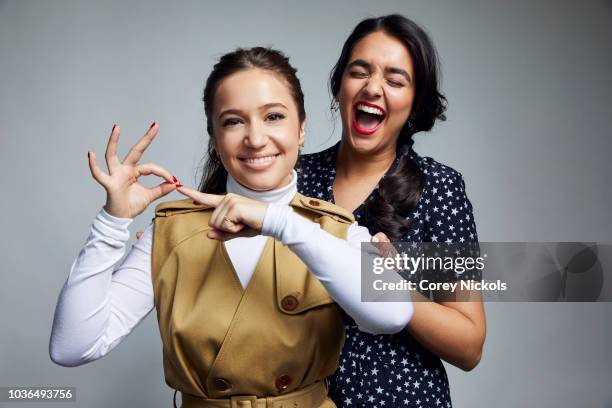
x=102, y=302
x=337, y=264
x=98, y=306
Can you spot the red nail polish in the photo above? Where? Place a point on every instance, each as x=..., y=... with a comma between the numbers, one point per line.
x=179, y=185
x=113, y=129
x=88, y=154
x=174, y=179
x=152, y=124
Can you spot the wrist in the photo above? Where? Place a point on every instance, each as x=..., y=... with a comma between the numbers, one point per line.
x=275, y=220
x=111, y=226
x=114, y=212
x=116, y=218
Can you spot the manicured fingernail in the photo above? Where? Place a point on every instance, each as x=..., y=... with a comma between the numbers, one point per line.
x=88, y=154
x=179, y=185
x=113, y=129
x=152, y=124
x=174, y=179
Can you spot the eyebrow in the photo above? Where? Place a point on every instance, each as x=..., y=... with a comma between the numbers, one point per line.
x=360, y=63
x=261, y=108
x=399, y=71
x=393, y=70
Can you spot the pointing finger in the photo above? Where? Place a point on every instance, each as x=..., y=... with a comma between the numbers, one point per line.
x=210, y=200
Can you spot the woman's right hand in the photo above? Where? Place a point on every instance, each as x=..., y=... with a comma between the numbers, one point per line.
x=125, y=196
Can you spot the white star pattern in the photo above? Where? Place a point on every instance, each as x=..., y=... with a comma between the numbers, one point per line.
x=393, y=371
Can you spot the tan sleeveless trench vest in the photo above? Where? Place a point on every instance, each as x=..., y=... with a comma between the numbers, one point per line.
x=281, y=333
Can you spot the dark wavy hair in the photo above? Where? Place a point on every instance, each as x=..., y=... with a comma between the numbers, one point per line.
x=398, y=193
x=214, y=177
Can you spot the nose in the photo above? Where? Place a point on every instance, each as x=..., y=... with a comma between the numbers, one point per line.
x=256, y=137
x=373, y=87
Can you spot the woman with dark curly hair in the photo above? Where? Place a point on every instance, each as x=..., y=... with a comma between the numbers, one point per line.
x=386, y=88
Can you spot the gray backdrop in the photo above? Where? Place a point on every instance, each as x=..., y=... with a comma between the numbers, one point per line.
x=529, y=126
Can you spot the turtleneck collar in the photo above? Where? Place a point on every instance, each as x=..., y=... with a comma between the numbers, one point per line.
x=283, y=195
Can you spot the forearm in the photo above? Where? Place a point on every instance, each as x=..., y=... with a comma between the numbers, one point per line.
x=338, y=266
x=455, y=332
x=96, y=308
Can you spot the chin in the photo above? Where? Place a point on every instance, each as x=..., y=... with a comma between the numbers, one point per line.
x=260, y=182
x=363, y=144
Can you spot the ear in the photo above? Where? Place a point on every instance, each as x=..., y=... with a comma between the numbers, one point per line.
x=302, y=133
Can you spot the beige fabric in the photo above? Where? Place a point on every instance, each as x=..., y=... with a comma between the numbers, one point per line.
x=314, y=395
x=282, y=333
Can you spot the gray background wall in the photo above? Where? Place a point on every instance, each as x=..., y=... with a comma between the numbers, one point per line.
x=529, y=125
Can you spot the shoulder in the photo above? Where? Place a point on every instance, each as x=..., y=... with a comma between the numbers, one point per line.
x=175, y=223
x=444, y=186
x=316, y=172
x=444, y=208
x=180, y=219
x=435, y=170
x=321, y=207
x=438, y=176
x=323, y=159
x=175, y=207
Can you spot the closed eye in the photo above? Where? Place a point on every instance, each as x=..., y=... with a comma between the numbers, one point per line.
x=395, y=83
x=357, y=74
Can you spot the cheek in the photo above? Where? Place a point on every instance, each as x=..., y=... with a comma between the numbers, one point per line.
x=401, y=104
x=347, y=92
x=225, y=145
x=345, y=106
x=288, y=141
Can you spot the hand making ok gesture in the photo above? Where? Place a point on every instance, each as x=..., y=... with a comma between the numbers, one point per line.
x=125, y=196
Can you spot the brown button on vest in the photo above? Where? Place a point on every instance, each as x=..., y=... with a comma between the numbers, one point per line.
x=281, y=333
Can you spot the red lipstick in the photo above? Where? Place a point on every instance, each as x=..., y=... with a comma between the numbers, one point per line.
x=357, y=126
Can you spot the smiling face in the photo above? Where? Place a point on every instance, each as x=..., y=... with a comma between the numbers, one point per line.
x=257, y=128
x=376, y=93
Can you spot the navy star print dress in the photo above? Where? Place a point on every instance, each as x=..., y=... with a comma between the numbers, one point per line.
x=395, y=370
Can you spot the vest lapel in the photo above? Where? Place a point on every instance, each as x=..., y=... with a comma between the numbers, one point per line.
x=296, y=288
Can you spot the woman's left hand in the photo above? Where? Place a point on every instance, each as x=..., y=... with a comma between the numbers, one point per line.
x=234, y=216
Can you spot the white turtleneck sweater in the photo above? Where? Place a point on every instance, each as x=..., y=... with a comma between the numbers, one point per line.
x=101, y=303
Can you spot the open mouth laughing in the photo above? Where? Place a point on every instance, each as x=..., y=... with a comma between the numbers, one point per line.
x=367, y=117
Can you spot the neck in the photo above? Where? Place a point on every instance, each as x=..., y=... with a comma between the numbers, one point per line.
x=350, y=163
x=282, y=195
